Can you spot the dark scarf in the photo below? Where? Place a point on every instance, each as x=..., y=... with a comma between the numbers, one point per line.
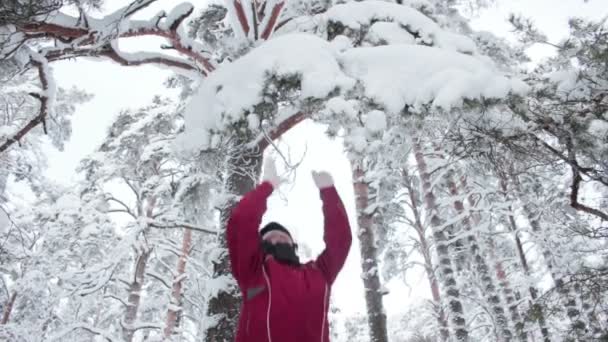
x=282, y=252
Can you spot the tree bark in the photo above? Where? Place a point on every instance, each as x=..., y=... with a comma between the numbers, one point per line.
x=242, y=168
x=174, y=310
x=369, y=260
x=134, y=298
x=8, y=308
x=446, y=269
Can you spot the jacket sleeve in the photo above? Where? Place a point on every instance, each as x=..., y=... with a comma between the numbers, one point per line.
x=242, y=233
x=337, y=234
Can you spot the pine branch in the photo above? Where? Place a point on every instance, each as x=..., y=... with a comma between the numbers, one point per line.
x=587, y=171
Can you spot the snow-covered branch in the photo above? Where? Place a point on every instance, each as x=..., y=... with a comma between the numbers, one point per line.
x=46, y=98
x=97, y=37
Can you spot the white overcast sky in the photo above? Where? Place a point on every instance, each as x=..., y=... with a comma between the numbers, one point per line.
x=116, y=87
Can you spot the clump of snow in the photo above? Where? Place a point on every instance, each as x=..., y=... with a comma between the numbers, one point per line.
x=253, y=121
x=233, y=89
x=357, y=139
x=393, y=76
x=400, y=75
x=568, y=85
x=598, y=128
x=341, y=43
x=363, y=13
x=338, y=105
x=375, y=121
x=178, y=12
x=389, y=33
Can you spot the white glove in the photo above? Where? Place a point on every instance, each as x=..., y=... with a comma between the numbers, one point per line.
x=322, y=179
x=270, y=174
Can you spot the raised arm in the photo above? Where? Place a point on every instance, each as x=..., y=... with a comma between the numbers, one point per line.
x=242, y=233
x=337, y=234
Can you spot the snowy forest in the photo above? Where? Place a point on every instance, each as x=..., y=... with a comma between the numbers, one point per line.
x=476, y=176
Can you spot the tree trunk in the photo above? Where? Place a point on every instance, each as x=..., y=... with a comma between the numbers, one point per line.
x=175, y=306
x=369, y=260
x=446, y=270
x=128, y=330
x=534, y=306
x=8, y=308
x=425, y=250
x=134, y=299
x=567, y=297
x=242, y=167
x=490, y=291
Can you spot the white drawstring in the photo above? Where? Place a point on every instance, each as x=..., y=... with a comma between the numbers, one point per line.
x=324, y=312
x=269, y=303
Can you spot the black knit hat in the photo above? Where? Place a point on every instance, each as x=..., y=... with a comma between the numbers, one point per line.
x=274, y=226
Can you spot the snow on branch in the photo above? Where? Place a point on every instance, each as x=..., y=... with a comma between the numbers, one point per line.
x=130, y=9
x=395, y=77
x=358, y=14
x=90, y=37
x=46, y=98
x=97, y=37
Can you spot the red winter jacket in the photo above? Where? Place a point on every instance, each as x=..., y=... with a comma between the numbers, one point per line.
x=284, y=303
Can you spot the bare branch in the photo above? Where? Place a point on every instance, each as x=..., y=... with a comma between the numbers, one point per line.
x=181, y=225
x=123, y=205
x=283, y=127
x=159, y=279
x=576, y=180
x=118, y=299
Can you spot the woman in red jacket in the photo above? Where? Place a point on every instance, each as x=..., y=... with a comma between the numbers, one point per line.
x=284, y=300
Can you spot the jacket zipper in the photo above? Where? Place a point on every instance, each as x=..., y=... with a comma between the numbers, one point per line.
x=269, y=303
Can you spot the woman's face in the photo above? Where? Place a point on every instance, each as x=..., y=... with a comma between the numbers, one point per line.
x=277, y=236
